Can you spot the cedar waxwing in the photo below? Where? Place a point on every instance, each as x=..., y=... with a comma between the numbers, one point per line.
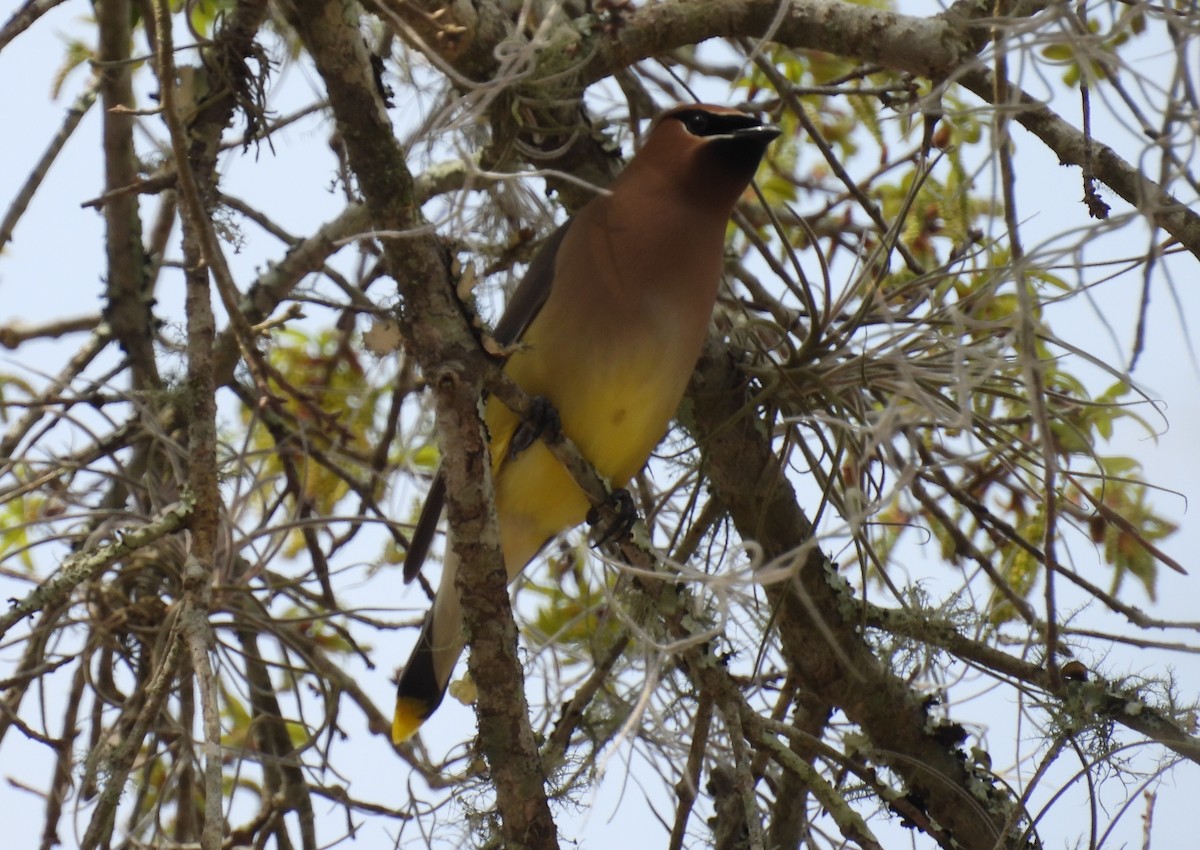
x=610, y=317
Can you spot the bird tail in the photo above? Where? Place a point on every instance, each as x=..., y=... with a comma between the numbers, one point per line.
x=418, y=691
x=425, y=677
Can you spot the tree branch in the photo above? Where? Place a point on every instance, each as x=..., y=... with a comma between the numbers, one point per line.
x=1074, y=148
x=934, y=47
x=85, y=565
x=443, y=345
x=128, y=307
x=29, y=188
x=24, y=18
x=120, y=760
x=819, y=631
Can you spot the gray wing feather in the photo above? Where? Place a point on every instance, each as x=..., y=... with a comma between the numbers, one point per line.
x=526, y=302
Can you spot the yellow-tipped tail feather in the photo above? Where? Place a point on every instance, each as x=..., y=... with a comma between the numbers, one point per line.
x=420, y=688
x=411, y=712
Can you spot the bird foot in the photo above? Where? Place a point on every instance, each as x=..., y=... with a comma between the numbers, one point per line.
x=621, y=504
x=541, y=421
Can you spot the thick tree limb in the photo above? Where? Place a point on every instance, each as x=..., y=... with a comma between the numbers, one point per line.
x=934, y=47
x=818, y=625
x=128, y=307
x=440, y=340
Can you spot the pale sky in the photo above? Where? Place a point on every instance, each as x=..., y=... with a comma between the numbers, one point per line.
x=53, y=268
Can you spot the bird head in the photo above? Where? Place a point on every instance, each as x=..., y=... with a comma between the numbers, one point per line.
x=709, y=153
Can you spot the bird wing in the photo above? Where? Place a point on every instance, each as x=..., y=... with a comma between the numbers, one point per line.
x=526, y=302
x=531, y=293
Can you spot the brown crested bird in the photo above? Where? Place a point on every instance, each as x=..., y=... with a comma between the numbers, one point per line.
x=610, y=318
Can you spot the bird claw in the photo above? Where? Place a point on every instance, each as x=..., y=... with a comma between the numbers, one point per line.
x=542, y=420
x=621, y=503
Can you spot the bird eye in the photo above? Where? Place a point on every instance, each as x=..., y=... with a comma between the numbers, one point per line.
x=696, y=123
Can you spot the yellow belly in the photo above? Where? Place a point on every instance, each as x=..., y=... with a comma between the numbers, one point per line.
x=614, y=408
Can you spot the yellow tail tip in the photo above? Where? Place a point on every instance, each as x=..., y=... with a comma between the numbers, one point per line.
x=411, y=712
